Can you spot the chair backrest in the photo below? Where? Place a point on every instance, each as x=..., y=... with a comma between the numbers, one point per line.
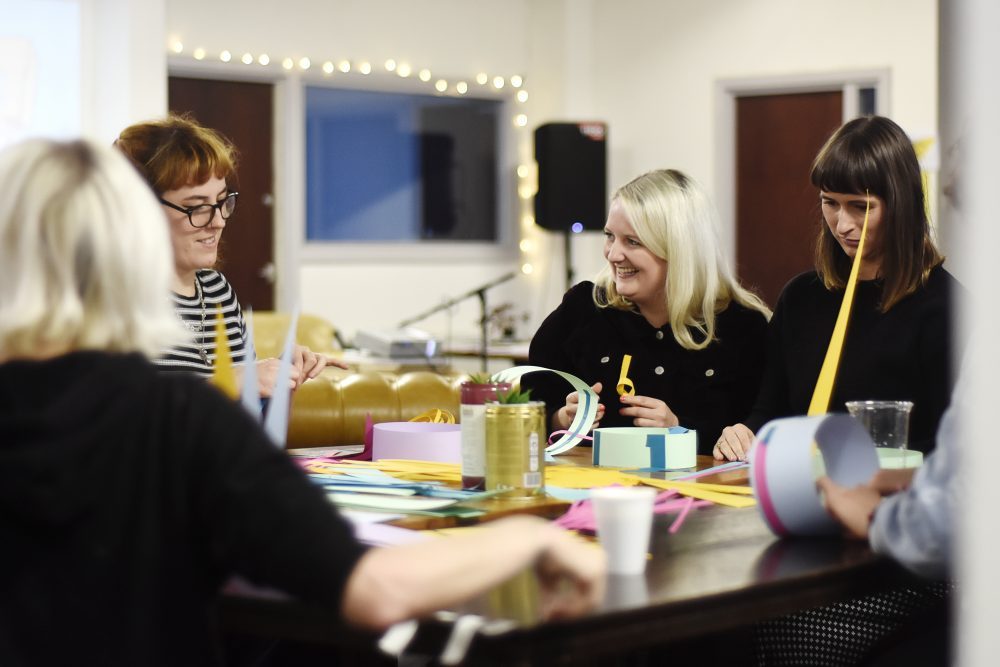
x=330, y=410
x=269, y=330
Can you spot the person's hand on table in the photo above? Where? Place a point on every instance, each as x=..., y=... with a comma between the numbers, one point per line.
x=734, y=444
x=852, y=507
x=571, y=575
x=564, y=417
x=647, y=411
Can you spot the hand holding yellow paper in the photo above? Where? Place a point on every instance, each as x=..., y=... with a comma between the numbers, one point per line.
x=625, y=386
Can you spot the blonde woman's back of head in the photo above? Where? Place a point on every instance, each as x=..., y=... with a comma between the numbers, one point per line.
x=85, y=257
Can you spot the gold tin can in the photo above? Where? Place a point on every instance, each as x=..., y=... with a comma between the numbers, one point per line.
x=515, y=448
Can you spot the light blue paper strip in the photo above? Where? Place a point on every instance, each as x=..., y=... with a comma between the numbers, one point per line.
x=586, y=412
x=569, y=495
x=276, y=422
x=250, y=394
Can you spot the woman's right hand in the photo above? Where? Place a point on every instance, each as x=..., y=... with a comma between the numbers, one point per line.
x=564, y=417
x=267, y=376
x=734, y=444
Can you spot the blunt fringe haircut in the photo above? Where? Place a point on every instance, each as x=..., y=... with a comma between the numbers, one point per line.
x=674, y=218
x=84, y=254
x=872, y=154
x=176, y=151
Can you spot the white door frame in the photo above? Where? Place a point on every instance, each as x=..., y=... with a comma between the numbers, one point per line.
x=726, y=92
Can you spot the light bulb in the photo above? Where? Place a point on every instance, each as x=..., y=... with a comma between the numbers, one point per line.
x=481, y=78
x=516, y=81
x=344, y=66
x=527, y=268
x=390, y=65
x=403, y=70
x=441, y=85
x=199, y=53
x=520, y=120
x=225, y=56
x=328, y=67
x=288, y=63
x=462, y=87
x=247, y=59
x=264, y=59
x=424, y=75
x=304, y=63
x=177, y=47
x=365, y=68
x=522, y=96
x=498, y=82
x=522, y=171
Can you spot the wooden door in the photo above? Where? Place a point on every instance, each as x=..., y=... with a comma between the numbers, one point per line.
x=242, y=112
x=777, y=209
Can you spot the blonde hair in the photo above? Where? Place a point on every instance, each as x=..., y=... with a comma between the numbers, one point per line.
x=84, y=253
x=675, y=220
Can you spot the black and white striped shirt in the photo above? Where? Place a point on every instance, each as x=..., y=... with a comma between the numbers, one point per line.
x=199, y=316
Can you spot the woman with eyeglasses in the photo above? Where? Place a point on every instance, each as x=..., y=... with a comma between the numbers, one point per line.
x=190, y=169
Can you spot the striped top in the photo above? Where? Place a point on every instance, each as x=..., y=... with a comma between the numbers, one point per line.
x=199, y=355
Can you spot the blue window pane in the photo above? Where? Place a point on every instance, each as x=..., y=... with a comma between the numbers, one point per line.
x=390, y=167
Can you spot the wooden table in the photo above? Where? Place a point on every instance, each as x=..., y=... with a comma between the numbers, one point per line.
x=723, y=570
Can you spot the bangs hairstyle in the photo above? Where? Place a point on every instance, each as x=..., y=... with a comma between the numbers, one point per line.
x=675, y=220
x=84, y=254
x=176, y=152
x=873, y=154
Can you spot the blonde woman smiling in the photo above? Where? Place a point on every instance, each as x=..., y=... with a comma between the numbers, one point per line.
x=667, y=299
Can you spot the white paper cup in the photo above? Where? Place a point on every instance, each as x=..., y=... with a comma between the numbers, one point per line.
x=624, y=516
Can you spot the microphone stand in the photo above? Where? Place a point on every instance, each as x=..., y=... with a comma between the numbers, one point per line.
x=479, y=292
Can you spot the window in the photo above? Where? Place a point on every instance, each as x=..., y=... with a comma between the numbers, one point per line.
x=396, y=167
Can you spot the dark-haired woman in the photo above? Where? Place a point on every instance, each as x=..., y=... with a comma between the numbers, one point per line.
x=899, y=340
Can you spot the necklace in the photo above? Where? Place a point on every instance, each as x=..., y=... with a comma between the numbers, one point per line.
x=203, y=344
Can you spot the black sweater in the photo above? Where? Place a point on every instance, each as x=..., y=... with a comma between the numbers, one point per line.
x=903, y=354
x=127, y=497
x=707, y=389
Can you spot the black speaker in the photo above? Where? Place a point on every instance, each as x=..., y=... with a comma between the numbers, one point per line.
x=572, y=175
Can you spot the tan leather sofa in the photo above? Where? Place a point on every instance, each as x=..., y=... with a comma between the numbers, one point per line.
x=270, y=328
x=330, y=410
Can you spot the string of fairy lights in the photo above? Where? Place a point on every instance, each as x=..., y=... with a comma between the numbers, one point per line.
x=480, y=83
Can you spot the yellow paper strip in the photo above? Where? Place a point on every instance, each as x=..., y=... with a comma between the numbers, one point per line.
x=820, y=403
x=223, y=377
x=625, y=386
x=692, y=490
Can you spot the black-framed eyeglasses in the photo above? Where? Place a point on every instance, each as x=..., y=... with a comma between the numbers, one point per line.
x=202, y=215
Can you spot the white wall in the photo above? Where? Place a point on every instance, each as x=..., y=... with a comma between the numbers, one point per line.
x=80, y=67
x=647, y=67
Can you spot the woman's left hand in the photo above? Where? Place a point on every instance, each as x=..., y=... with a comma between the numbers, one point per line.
x=648, y=411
